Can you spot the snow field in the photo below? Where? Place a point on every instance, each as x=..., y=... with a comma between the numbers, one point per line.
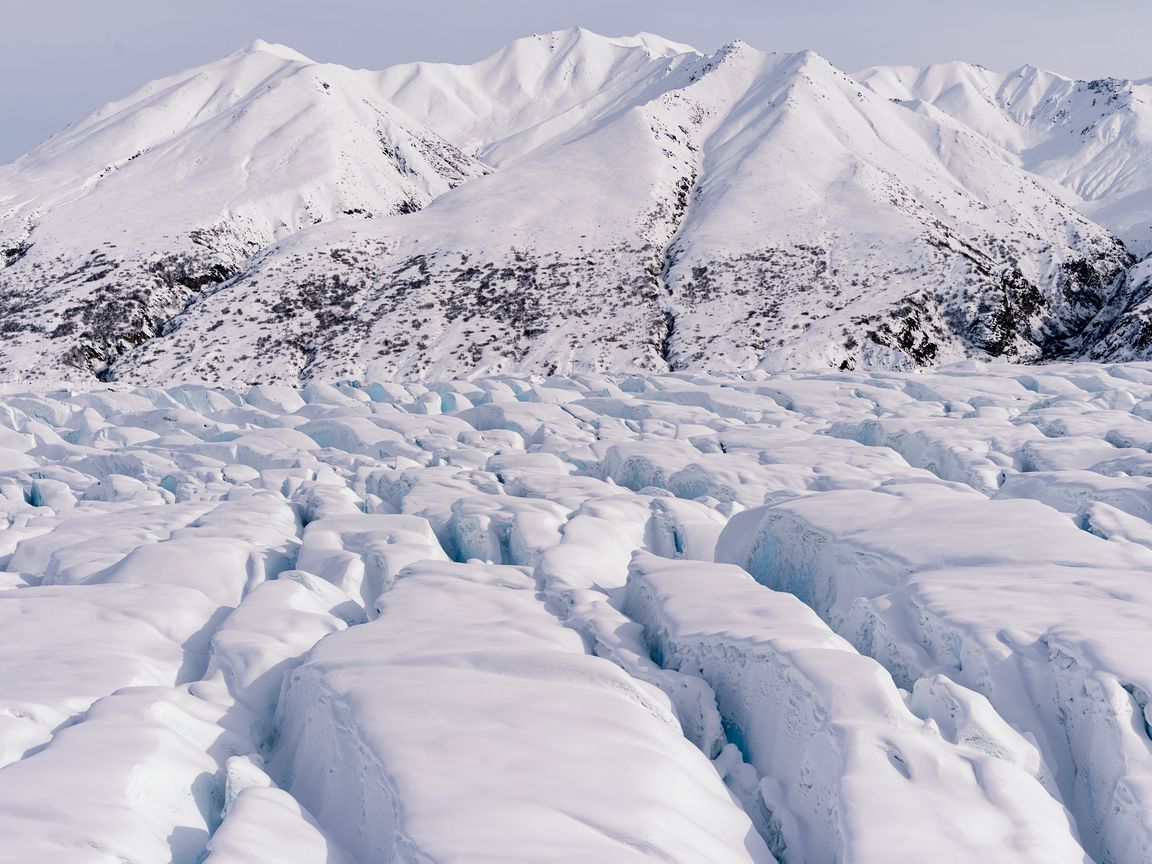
x=483, y=620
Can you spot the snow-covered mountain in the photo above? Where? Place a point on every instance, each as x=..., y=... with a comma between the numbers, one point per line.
x=572, y=203
x=1093, y=137
x=118, y=222
x=536, y=90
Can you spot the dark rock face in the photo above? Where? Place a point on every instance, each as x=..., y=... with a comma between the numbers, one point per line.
x=100, y=306
x=326, y=312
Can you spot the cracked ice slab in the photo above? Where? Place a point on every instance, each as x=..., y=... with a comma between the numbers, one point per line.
x=1012, y=600
x=849, y=774
x=363, y=553
x=137, y=780
x=466, y=723
x=64, y=647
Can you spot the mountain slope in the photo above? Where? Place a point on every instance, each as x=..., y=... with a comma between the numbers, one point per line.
x=1093, y=137
x=552, y=263
x=535, y=90
x=116, y=223
x=769, y=209
x=837, y=228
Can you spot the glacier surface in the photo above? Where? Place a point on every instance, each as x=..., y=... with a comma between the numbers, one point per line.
x=802, y=617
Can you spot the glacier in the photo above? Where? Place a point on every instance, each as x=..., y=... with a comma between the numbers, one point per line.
x=829, y=616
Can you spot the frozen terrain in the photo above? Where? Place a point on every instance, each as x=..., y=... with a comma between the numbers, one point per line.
x=809, y=618
x=575, y=204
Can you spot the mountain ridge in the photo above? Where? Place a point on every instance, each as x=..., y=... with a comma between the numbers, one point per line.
x=571, y=203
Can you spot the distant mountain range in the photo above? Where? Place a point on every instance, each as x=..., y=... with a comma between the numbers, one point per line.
x=578, y=203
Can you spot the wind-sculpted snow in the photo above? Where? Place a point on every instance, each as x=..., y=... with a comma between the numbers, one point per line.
x=518, y=618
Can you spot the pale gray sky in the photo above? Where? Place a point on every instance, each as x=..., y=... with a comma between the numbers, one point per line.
x=60, y=59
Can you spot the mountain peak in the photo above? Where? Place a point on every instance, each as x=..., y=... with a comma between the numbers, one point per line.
x=260, y=46
x=1030, y=72
x=659, y=46
x=733, y=48
x=655, y=46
